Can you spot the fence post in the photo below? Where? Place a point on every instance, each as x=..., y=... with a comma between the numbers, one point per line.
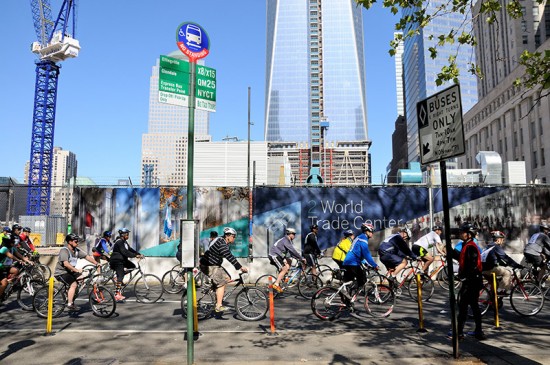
x=271, y=307
x=419, y=299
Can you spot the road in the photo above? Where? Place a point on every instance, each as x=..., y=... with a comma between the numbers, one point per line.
x=155, y=334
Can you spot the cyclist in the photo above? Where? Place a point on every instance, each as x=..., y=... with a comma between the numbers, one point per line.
x=311, y=249
x=120, y=260
x=211, y=264
x=358, y=252
x=422, y=247
x=495, y=260
x=277, y=255
x=66, y=270
x=26, y=242
x=5, y=232
x=16, y=230
x=103, y=247
x=393, y=252
x=469, y=272
x=8, y=254
x=343, y=247
x=537, y=250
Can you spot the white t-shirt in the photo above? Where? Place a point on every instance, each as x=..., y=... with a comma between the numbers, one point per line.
x=428, y=240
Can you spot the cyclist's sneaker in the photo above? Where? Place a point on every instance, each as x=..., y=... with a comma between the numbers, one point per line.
x=460, y=335
x=277, y=288
x=220, y=309
x=478, y=335
x=119, y=297
x=73, y=308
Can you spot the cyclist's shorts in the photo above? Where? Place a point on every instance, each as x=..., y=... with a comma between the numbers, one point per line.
x=278, y=262
x=533, y=259
x=391, y=260
x=4, y=272
x=311, y=259
x=219, y=276
x=419, y=251
x=68, y=278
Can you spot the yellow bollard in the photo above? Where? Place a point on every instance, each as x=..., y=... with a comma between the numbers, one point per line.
x=195, y=314
x=419, y=299
x=495, y=295
x=50, y=307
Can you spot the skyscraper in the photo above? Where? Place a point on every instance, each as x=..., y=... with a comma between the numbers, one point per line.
x=420, y=70
x=315, y=76
x=164, y=146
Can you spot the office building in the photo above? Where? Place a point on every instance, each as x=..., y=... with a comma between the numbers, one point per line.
x=315, y=82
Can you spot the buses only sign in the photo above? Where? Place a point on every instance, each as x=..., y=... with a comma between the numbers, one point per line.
x=440, y=129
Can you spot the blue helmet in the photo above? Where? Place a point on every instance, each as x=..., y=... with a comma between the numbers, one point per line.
x=123, y=231
x=107, y=234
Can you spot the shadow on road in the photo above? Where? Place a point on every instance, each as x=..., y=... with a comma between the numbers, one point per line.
x=14, y=347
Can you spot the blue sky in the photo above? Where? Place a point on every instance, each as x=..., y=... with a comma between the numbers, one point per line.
x=102, y=104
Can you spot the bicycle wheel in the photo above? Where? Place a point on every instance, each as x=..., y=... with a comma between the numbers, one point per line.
x=46, y=271
x=527, y=298
x=427, y=288
x=251, y=304
x=205, y=303
x=379, y=299
x=263, y=282
x=201, y=279
x=327, y=303
x=102, y=301
x=25, y=294
x=308, y=285
x=443, y=279
x=148, y=289
x=40, y=301
x=173, y=282
x=331, y=277
x=485, y=301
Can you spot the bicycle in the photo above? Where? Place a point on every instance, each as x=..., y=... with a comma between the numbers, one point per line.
x=251, y=303
x=526, y=297
x=306, y=282
x=408, y=280
x=175, y=279
x=329, y=302
x=102, y=301
x=45, y=270
x=441, y=274
x=25, y=284
x=147, y=287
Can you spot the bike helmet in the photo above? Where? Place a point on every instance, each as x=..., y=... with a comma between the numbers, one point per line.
x=313, y=226
x=6, y=229
x=228, y=231
x=407, y=231
x=72, y=237
x=544, y=226
x=123, y=231
x=15, y=226
x=497, y=234
x=290, y=230
x=468, y=228
x=435, y=228
x=348, y=233
x=26, y=229
x=367, y=227
x=107, y=234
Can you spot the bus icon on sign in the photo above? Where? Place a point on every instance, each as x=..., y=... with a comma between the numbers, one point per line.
x=193, y=35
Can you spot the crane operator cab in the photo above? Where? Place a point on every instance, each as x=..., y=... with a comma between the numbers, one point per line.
x=59, y=49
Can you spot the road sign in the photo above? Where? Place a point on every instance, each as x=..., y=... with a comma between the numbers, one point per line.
x=205, y=90
x=173, y=81
x=192, y=40
x=440, y=129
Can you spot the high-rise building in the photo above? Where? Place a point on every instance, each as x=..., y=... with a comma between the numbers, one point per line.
x=399, y=82
x=421, y=70
x=315, y=78
x=164, y=146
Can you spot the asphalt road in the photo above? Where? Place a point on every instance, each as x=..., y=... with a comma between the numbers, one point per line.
x=155, y=334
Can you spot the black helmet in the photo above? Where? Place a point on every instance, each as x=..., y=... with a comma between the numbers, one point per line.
x=497, y=234
x=544, y=226
x=26, y=229
x=72, y=237
x=435, y=228
x=15, y=226
x=348, y=233
x=313, y=226
x=123, y=231
x=107, y=234
x=468, y=228
x=367, y=227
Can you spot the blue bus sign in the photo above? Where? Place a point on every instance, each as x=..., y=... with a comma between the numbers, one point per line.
x=193, y=41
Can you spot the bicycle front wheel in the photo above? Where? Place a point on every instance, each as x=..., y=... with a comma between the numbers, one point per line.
x=40, y=301
x=427, y=286
x=379, y=299
x=148, y=289
x=173, y=281
x=308, y=285
x=327, y=303
x=251, y=304
x=102, y=301
x=527, y=298
x=484, y=302
x=25, y=294
x=205, y=303
x=264, y=281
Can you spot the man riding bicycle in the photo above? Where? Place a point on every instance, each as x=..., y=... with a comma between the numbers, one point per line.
x=537, y=250
x=342, y=248
x=311, y=249
x=103, y=247
x=120, y=260
x=358, y=252
x=394, y=250
x=422, y=247
x=277, y=256
x=495, y=260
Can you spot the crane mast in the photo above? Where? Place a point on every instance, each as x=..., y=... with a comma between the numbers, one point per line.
x=55, y=43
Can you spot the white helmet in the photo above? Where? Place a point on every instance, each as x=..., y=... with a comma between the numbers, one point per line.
x=407, y=231
x=290, y=230
x=228, y=231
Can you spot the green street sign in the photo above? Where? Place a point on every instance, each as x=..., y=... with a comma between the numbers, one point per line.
x=173, y=81
x=205, y=89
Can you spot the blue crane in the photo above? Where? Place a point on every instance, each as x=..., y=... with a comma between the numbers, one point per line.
x=55, y=43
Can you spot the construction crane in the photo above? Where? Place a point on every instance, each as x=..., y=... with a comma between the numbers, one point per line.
x=56, y=42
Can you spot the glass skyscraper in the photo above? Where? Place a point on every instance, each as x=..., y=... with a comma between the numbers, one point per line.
x=420, y=70
x=315, y=71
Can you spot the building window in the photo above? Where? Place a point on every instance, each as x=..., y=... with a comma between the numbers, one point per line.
x=541, y=130
x=535, y=163
x=542, y=159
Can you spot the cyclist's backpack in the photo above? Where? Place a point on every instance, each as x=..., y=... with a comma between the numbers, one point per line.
x=97, y=245
x=485, y=253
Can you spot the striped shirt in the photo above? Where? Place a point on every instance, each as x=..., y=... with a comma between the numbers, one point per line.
x=216, y=252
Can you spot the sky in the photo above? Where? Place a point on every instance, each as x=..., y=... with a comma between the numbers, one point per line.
x=103, y=94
